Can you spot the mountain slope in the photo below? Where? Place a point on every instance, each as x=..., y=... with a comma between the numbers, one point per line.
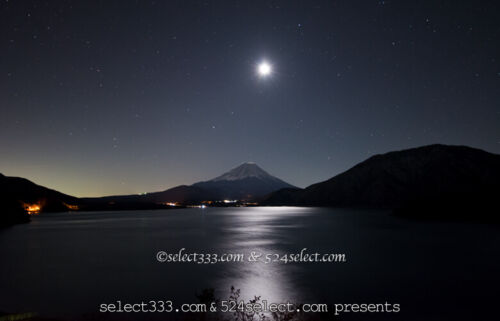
x=182, y=194
x=16, y=192
x=417, y=176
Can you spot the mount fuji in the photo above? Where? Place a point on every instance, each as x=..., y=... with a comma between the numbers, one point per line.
x=245, y=182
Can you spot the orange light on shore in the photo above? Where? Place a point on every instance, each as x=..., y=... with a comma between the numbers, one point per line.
x=32, y=209
x=72, y=207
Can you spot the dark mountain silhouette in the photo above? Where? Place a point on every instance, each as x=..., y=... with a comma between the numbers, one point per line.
x=435, y=180
x=17, y=193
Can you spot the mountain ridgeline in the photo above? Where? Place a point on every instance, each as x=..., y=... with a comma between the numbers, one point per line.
x=437, y=181
x=247, y=182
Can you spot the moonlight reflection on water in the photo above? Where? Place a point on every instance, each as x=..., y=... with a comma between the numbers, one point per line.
x=263, y=231
x=67, y=264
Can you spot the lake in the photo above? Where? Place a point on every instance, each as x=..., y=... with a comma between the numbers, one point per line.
x=66, y=264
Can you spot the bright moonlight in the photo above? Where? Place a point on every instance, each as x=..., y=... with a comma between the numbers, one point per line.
x=264, y=69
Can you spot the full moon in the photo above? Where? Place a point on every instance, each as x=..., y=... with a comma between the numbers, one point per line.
x=264, y=69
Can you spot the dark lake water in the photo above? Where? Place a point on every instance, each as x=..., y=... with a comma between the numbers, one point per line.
x=66, y=264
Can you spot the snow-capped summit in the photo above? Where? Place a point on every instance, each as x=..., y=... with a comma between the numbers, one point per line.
x=245, y=170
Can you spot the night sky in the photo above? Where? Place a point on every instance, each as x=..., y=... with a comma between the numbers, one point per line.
x=114, y=97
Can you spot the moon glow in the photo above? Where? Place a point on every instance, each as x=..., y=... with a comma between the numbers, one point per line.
x=264, y=69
